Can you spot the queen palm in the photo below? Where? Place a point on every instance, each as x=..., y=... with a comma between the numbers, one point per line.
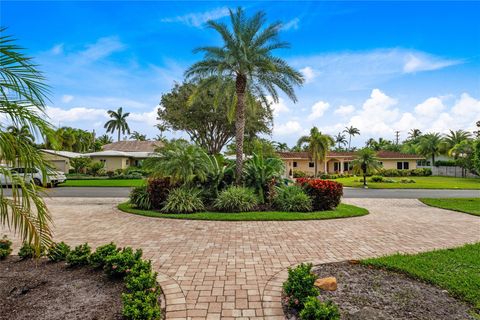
x=22, y=105
x=430, y=144
x=318, y=145
x=351, y=131
x=246, y=58
x=118, y=122
x=365, y=163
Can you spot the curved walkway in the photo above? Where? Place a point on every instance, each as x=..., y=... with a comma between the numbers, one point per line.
x=215, y=269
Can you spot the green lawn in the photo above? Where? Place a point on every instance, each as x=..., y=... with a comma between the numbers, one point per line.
x=456, y=270
x=103, y=183
x=467, y=205
x=420, y=183
x=343, y=211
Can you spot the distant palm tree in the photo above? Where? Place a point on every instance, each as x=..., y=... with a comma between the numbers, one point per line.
x=351, y=131
x=365, y=163
x=138, y=136
x=104, y=139
x=454, y=138
x=118, y=122
x=340, y=140
x=430, y=144
x=245, y=56
x=281, y=146
x=414, y=134
x=318, y=145
x=22, y=133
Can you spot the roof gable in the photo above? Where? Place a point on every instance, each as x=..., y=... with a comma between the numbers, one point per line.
x=133, y=146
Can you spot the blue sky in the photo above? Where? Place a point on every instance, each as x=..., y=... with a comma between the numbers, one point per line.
x=380, y=66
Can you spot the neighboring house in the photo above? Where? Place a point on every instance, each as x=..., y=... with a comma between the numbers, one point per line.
x=427, y=162
x=122, y=154
x=339, y=162
x=60, y=159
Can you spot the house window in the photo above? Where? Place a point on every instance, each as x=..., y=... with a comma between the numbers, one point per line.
x=402, y=165
x=127, y=162
x=346, y=166
x=381, y=163
x=103, y=161
x=405, y=165
x=399, y=165
x=311, y=164
x=336, y=166
x=294, y=164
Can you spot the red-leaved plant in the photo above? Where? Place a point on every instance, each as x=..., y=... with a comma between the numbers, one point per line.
x=325, y=194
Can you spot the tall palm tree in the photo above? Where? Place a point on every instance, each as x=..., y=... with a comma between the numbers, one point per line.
x=430, y=144
x=281, y=146
x=340, y=140
x=118, y=122
x=246, y=58
x=318, y=145
x=414, y=134
x=365, y=163
x=351, y=131
x=22, y=104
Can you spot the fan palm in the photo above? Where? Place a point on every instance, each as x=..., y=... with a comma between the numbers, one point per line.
x=365, y=163
x=118, y=122
x=246, y=58
x=318, y=145
x=430, y=144
x=351, y=131
x=22, y=104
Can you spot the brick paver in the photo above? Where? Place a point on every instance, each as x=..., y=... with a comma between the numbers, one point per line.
x=226, y=270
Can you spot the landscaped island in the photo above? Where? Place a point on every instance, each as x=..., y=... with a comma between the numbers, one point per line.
x=467, y=205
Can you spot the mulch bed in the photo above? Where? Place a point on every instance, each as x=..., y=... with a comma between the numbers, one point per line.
x=370, y=293
x=44, y=290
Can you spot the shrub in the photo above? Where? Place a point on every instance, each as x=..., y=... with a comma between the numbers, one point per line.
x=158, y=190
x=299, y=174
x=120, y=263
x=316, y=310
x=97, y=259
x=79, y=255
x=300, y=285
x=376, y=179
x=446, y=163
x=110, y=174
x=140, y=198
x=183, y=200
x=325, y=194
x=406, y=180
x=141, y=305
x=96, y=168
x=292, y=199
x=58, y=252
x=141, y=277
x=27, y=251
x=236, y=199
x=420, y=172
x=130, y=176
x=5, y=247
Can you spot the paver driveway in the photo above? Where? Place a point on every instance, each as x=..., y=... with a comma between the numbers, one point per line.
x=214, y=269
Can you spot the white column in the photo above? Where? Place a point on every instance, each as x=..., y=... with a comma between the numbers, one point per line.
x=326, y=166
x=341, y=166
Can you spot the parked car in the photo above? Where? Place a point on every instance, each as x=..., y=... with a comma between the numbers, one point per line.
x=52, y=179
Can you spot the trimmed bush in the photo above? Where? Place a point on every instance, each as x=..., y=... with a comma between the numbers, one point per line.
x=121, y=263
x=299, y=286
x=292, y=199
x=236, y=199
x=79, y=256
x=158, y=190
x=140, y=198
x=141, y=305
x=97, y=259
x=314, y=309
x=376, y=179
x=421, y=172
x=58, y=252
x=183, y=200
x=325, y=194
x=27, y=251
x=299, y=174
x=5, y=247
x=406, y=180
x=141, y=277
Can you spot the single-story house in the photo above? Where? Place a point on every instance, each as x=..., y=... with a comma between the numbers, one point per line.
x=339, y=162
x=60, y=159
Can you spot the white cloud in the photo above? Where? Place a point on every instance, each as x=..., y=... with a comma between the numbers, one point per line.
x=318, y=109
x=292, y=24
x=430, y=107
x=278, y=108
x=67, y=98
x=197, y=19
x=288, y=128
x=72, y=115
x=308, y=73
x=415, y=62
x=102, y=48
x=57, y=49
x=467, y=107
x=345, y=110
x=145, y=118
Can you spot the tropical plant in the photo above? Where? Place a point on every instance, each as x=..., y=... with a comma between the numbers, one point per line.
x=158, y=190
x=314, y=309
x=414, y=134
x=352, y=132
x=118, y=122
x=120, y=262
x=292, y=199
x=183, y=200
x=80, y=164
x=5, y=247
x=261, y=174
x=138, y=136
x=79, y=255
x=22, y=103
x=27, y=251
x=96, y=168
x=340, y=140
x=281, y=146
x=246, y=58
x=22, y=133
x=365, y=163
x=140, y=198
x=325, y=194
x=454, y=138
x=476, y=156
x=318, y=145
x=104, y=139
x=98, y=258
x=236, y=199
x=430, y=145
x=300, y=285
x=58, y=252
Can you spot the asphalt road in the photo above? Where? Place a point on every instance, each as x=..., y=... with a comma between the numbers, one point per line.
x=121, y=192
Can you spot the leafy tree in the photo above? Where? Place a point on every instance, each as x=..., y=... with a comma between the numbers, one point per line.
x=206, y=118
x=80, y=164
x=351, y=131
x=476, y=156
x=118, y=122
x=464, y=153
x=430, y=144
x=22, y=104
x=382, y=144
x=261, y=146
x=96, y=168
x=72, y=139
x=340, y=140
x=318, y=145
x=365, y=163
x=246, y=58
x=261, y=173
x=138, y=136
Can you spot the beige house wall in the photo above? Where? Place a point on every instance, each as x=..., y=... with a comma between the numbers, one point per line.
x=392, y=163
x=113, y=163
x=59, y=163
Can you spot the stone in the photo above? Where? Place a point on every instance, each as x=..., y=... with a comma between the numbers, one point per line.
x=329, y=283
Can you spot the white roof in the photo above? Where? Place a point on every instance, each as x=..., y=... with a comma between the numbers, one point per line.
x=65, y=154
x=114, y=153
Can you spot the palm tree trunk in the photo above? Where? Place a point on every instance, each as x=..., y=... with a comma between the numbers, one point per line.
x=316, y=166
x=118, y=134
x=241, y=84
x=349, y=141
x=433, y=159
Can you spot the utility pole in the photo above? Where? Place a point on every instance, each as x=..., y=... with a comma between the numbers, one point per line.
x=397, y=137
